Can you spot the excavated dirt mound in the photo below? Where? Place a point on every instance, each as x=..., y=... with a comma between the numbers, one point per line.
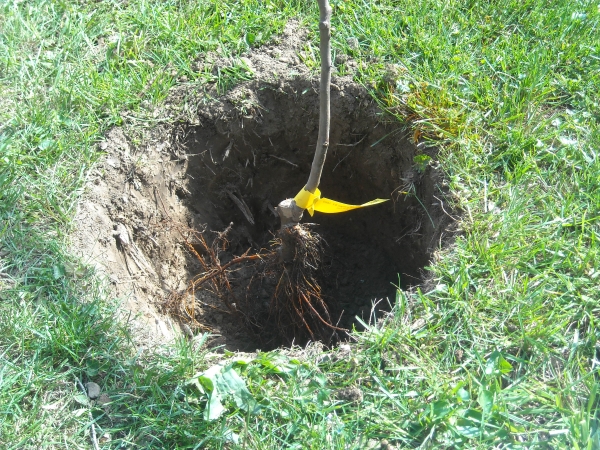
x=230, y=159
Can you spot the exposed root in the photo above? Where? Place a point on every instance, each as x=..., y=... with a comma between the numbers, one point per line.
x=297, y=306
x=280, y=302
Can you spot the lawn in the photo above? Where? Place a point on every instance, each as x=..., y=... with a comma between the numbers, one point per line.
x=501, y=352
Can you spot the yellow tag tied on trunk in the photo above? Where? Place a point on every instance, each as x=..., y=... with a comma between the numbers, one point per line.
x=314, y=202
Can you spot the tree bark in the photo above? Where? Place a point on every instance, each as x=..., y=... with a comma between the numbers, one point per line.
x=324, y=96
x=289, y=212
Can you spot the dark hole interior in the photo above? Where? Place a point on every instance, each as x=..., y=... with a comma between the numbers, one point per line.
x=259, y=146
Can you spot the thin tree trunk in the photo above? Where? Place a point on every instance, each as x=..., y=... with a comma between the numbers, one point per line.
x=289, y=212
x=324, y=96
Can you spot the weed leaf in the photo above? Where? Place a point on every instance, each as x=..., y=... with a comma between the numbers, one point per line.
x=497, y=365
x=81, y=399
x=440, y=409
x=233, y=384
x=214, y=408
x=486, y=400
x=217, y=383
x=466, y=428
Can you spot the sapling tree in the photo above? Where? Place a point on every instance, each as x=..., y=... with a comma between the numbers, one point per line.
x=289, y=210
x=289, y=271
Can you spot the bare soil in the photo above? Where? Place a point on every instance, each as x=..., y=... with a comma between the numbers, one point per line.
x=222, y=158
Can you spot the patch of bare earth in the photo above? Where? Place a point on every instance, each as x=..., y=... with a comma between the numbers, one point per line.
x=223, y=162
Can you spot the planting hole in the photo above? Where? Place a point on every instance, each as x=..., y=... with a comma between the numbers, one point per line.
x=232, y=162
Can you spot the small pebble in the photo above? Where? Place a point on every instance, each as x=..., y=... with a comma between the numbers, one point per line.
x=93, y=390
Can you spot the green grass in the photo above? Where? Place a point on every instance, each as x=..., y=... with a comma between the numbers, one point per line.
x=502, y=351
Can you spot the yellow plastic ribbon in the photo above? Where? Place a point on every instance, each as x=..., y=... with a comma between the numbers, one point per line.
x=313, y=202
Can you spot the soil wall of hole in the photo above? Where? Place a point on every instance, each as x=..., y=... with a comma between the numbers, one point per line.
x=254, y=146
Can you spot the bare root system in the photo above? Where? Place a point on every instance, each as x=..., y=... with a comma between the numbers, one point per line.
x=297, y=305
x=276, y=299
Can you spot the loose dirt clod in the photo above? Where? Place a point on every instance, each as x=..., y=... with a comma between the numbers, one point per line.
x=196, y=197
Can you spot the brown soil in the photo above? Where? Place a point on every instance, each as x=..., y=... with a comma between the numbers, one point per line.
x=231, y=159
